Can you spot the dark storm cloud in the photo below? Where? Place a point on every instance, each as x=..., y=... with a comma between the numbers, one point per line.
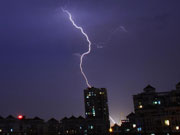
x=39, y=73
x=161, y=18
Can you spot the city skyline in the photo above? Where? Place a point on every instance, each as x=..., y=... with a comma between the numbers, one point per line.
x=134, y=44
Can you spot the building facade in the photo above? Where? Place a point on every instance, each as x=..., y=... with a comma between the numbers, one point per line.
x=96, y=110
x=157, y=112
x=26, y=126
x=96, y=121
x=73, y=126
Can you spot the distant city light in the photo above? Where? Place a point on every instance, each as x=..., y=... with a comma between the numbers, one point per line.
x=110, y=130
x=20, y=117
x=0, y=130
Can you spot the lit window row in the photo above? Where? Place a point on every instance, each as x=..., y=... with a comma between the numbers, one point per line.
x=157, y=102
x=101, y=93
x=91, y=94
x=88, y=113
x=90, y=127
x=11, y=130
x=139, y=129
x=70, y=131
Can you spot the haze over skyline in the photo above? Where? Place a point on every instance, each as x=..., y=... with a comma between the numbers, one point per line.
x=133, y=44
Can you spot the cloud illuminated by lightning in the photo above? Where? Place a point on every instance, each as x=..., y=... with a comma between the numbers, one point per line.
x=120, y=28
x=89, y=45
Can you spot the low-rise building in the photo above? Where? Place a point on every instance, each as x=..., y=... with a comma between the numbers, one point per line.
x=157, y=112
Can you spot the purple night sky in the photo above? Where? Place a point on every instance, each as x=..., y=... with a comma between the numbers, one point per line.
x=134, y=43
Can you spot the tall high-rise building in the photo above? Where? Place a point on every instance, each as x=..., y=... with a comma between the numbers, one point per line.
x=96, y=103
x=96, y=109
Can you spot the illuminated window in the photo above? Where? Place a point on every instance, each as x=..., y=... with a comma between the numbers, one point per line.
x=87, y=96
x=128, y=130
x=140, y=106
x=0, y=130
x=139, y=129
x=155, y=102
x=166, y=122
x=177, y=127
x=101, y=93
x=152, y=134
x=11, y=130
x=93, y=112
x=134, y=125
x=91, y=127
x=80, y=127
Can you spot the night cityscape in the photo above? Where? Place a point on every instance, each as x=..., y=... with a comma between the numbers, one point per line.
x=89, y=67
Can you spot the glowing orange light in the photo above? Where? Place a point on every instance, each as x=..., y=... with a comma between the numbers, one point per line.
x=110, y=130
x=20, y=117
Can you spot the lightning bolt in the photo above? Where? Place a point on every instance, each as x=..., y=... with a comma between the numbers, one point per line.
x=85, y=53
x=89, y=45
x=112, y=120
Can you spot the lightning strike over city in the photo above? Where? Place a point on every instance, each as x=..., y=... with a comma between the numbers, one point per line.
x=131, y=49
x=89, y=45
x=86, y=53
